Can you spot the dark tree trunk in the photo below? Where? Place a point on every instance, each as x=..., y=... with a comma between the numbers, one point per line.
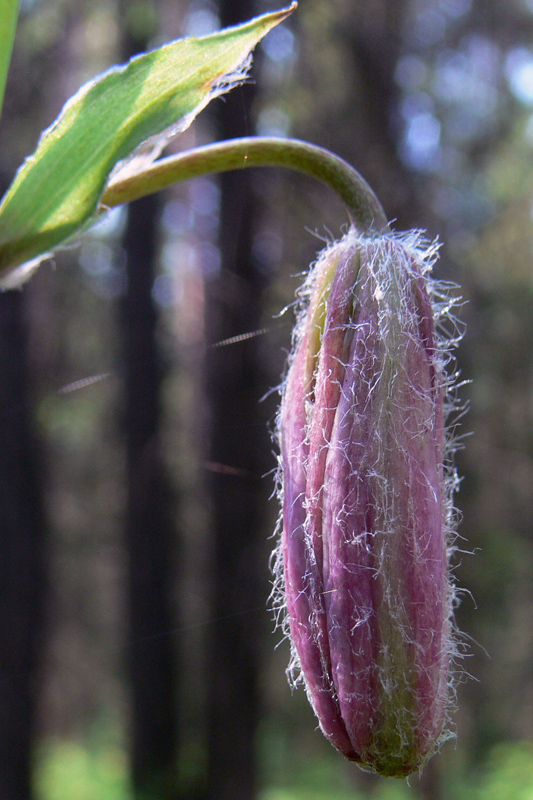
x=239, y=440
x=376, y=45
x=148, y=528
x=21, y=557
x=236, y=443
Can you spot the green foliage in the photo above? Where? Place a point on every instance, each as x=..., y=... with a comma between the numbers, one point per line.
x=509, y=773
x=8, y=22
x=308, y=794
x=139, y=105
x=65, y=770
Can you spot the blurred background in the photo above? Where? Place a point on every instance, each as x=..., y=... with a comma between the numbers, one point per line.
x=138, y=657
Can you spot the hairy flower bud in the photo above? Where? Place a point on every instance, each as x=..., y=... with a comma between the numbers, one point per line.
x=367, y=502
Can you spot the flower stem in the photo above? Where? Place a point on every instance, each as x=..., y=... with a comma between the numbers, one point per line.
x=363, y=207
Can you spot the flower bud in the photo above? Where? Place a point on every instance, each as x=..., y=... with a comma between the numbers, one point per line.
x=367, y=502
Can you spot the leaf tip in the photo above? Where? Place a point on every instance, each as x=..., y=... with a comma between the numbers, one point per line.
x=286, y=12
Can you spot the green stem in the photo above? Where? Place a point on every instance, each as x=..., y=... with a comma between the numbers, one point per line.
x=363, y=207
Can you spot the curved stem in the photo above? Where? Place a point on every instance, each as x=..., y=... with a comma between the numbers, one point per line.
x=364, y=209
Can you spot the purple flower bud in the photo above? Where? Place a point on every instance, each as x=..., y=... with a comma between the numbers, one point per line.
x=367, y=502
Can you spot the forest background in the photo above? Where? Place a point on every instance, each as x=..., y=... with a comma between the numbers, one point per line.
x=137, y=652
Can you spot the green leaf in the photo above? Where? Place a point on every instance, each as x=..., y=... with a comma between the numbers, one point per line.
x=8, y=24
x=56, y=191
